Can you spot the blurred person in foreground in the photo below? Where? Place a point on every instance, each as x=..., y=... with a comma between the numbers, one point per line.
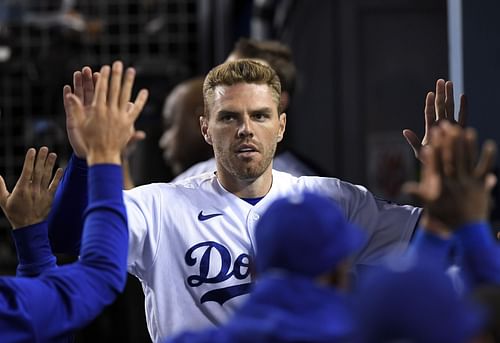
x=303, y=245
x=413, y=298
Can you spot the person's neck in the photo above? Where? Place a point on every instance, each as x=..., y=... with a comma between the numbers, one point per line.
x=246, y=188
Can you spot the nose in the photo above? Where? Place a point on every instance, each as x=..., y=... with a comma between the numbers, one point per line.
x=245, y=129
x=162, y=143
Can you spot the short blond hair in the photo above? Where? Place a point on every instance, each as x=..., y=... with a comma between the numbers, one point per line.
x=240, y=71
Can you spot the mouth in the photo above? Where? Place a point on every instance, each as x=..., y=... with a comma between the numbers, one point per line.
x=246, y=151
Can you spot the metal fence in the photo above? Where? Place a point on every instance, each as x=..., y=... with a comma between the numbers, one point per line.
x=43, y=41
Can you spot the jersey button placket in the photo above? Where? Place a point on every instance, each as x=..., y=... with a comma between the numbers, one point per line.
x=252, y=219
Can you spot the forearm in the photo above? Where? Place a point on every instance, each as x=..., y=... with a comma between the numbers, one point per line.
x=105, y=238
x=33, y=250
x=480, y=253
x=66, y=217
x=75, y=294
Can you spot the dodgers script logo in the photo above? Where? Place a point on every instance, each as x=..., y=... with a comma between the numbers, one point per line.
x=212, y=250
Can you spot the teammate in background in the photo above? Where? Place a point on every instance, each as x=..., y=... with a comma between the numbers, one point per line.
x=181, y=142
x=279, y=57
x=50, y=306
x=191, y=242
x=302, y=290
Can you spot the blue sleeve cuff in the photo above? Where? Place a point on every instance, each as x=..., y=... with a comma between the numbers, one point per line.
x=33, y=249
x=105, y=182
x=431, y=246
x=475, y=234
x=78, y=163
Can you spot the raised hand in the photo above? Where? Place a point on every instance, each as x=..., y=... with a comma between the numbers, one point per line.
x=106, y=125
x=455, y=185
x=439, y=106
x=31, y=199
x=83, y=88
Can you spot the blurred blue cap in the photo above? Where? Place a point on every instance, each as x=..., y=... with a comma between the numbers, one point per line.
x=415, y=302
x=306, y=234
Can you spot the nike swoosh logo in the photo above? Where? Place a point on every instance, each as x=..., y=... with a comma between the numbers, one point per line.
x=203, y=217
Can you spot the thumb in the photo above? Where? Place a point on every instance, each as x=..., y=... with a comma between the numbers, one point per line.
x=4, y=193
x=75, y=109
x=413, y=140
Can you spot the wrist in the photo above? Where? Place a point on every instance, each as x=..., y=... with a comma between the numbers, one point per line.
x=103, y=158
x=434, y=226
x=25, y=222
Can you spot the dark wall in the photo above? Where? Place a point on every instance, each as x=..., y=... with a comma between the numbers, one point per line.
x=365, y=67
x=481, y=47
x=481, y=59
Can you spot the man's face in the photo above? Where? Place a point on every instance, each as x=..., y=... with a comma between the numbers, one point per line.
x=181, y=142
x=244, y=128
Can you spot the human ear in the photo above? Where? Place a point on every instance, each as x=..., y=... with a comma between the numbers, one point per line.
x=204, y=129
x=281, y=131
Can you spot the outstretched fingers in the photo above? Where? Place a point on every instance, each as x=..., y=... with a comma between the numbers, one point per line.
x=78, y=85
x=88, y=86
x=50, y=162
x=126, y=92
x=440, y=100
x=39, y=169
x=139, y=103
x=101, y=88
x=487, y=159
x=66, y=92
x=28, y=167
x=430, y=110
x=55, y=182
x=115, y=87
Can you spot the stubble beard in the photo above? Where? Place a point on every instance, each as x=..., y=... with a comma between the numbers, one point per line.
x=244, y=170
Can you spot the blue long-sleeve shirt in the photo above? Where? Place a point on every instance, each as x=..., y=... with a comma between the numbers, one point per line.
x=60, y=300
x=33, y=250
x=479, y=253
x=474, y=248
x=68, y=213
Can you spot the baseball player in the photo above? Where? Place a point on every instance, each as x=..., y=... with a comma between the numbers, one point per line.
x=192, y=242
x=279, y=57
x=45, y=303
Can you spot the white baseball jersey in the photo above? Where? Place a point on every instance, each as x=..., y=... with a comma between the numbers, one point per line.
x=191, y=242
